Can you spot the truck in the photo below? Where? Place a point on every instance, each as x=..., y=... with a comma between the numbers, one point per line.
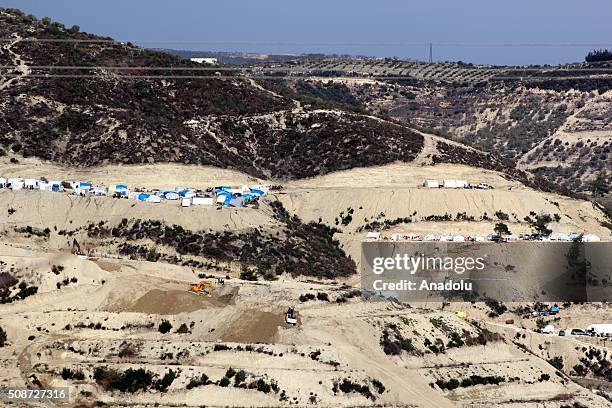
x=548, y=329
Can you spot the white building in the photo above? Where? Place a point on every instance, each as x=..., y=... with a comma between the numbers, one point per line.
x=209, y=61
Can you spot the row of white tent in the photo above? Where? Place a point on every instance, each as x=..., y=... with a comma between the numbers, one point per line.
x=226, y=195
x=478, y=238
x=30, y=184
x=455, y=184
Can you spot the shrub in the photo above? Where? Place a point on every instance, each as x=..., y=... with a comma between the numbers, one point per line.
x=2, y=337
x=68, y=374
x=544, y=377
x=196, y=382
x=130, y=380
x=556, y=362
x=380, y=388
x=182, y=329
x=163, y=384
x=165, y=327
x=239, y=378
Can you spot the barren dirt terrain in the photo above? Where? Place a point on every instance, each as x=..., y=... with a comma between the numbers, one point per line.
x=92, y=320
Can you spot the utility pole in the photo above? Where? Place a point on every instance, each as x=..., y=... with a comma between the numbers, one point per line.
x=430, y=52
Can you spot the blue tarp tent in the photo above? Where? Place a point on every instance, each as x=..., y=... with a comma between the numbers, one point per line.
x=85, y=185
x=143, y=197
x=257, y=192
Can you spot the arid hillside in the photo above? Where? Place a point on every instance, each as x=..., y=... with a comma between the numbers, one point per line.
x=554, y=121
x=83, y=100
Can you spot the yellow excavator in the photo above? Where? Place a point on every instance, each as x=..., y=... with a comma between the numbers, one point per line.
x=202, y=288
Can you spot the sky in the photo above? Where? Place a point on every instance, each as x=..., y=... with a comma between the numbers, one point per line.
x=186, y=24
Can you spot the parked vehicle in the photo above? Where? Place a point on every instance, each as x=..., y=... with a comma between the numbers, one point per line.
x=561, y=332
x=548, y=329
x=578, y=332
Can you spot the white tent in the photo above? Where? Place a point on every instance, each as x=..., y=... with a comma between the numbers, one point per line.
x=44, y=186
x=430, y=237
x=396, y=237
x=99, y=191
x=80, y=192
x=30, y=183
x=431, y=184
x=478, y=238
x=16, y=184
x=153, y=199
x=458, y=238
x=3, y=182
x=374, y=235
x=590, y=238
x=170, y=195
x=186, y=202
x=202, y=201
x=446, y=237
x=220, y=199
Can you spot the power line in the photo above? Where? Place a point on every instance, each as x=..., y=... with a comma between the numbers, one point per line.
x=319, y=43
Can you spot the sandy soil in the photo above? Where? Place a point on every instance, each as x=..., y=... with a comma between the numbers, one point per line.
x=109, y=313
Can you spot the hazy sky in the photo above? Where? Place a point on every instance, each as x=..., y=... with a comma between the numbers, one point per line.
x=373, y=21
